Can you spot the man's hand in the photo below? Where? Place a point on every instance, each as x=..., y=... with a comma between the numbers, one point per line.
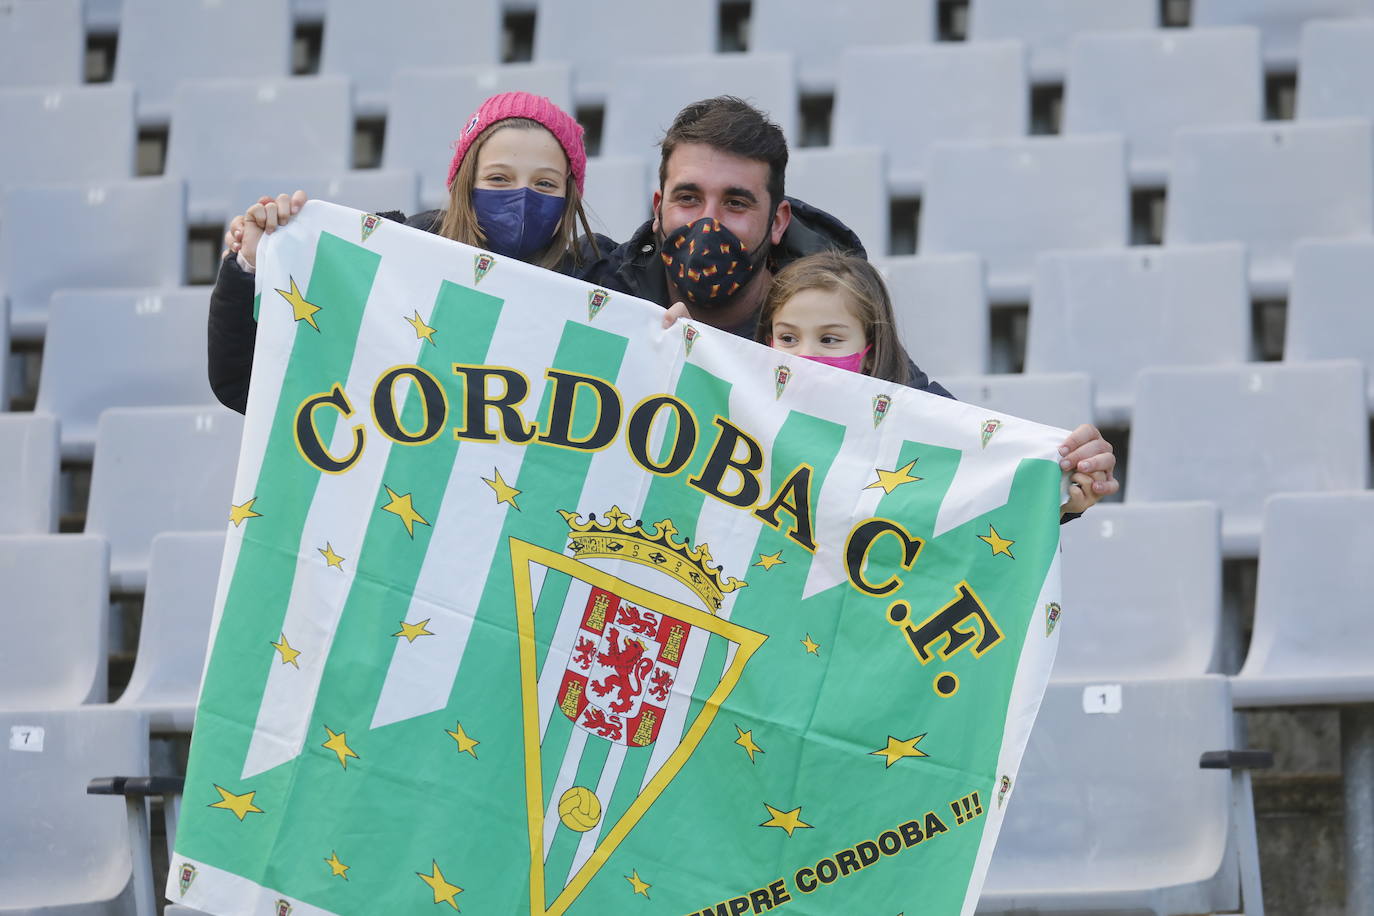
x=1091, y=460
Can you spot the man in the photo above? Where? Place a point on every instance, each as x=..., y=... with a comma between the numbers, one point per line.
x=722, y=167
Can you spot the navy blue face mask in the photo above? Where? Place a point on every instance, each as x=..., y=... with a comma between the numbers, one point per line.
x=517, y=222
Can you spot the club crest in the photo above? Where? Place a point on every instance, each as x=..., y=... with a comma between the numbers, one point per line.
x=613, y=680
x=781, y=376
x=370, y=223
x=282, y=908
x=596, y=300
x=1003, y=787
x=481, y=265
x=185, y=875
x=1052, y=611
x=689, y=336
x=990, y=428
x=881, y=402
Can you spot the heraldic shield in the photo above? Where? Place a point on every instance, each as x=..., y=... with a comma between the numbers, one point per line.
x=615, y=696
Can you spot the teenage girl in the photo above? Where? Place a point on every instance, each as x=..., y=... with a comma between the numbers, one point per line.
x=515, y=189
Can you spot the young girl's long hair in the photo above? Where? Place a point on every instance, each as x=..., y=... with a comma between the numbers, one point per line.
x=861, y=283
x=459, y=221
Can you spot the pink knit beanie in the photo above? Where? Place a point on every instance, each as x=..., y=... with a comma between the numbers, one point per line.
x=565, y=130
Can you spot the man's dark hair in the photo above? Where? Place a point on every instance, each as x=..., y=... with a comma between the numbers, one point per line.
x=731, y=125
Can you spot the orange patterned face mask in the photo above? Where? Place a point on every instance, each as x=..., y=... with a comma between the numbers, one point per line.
x=707, y=262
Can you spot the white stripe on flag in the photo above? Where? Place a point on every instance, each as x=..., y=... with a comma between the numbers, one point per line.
x=560, y=650
x=419, y=679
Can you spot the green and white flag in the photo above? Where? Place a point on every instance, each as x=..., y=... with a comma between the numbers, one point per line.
x=530, y=606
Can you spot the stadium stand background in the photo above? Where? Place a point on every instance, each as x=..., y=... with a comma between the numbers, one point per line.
x=1156, y=214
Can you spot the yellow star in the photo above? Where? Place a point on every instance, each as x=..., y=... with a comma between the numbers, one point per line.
x=768, y=561
x=241, y=805
x=890, y=480
x=787, y=820
x=998, y=543
x=412, y=631
x=640, y=886
x=465, y=744
x=746, y=741
x=300, y=309
x=811, y=647
x=330, y=557
x=339, y=745
x=288, y=654
x=443, y=891
x=337, y=868
x=402, y=508
x=896, y=750
x=505, y=493
x=240, y=514
x=422, y=330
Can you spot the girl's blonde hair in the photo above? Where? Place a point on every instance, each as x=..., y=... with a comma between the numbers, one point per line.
x=459, y=220
x=863, y=285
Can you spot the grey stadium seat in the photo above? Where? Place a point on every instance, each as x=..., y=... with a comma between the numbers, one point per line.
x=430, y=108
x=1142, y=592
x=1328, y=309
x=948, y=92
x=1112, y=313
x=1313, y=628
x=53, y=634
x=29, y=463
x=815, y=31
x=1061, y=399
x=1269, y=186
x=1083, y=832
x=1048, y=25
x=42, y=42
x=63, y=851
x=77, y=134
x=848, y=184
x=370, y=190
x=1069, y=193
x=618, y=194
x=369, y=48
x=1337, y=62
x=645, y=95
x=941, y=303
x=298, y=125
x=1235, y=435
x=141, y=340
x=627, y=31
x=1146, y=85
x=212, y=41
x=77, y=237
x=1278, y=21
x=159, y=469
x=183, y=572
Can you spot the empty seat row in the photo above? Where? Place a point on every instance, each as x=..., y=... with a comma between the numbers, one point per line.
x=156, y=469
x=58, y=588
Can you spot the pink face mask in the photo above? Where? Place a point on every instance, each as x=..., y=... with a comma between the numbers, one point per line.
x=854, y=362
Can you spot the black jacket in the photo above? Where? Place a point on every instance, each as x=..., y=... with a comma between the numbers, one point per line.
x=635, y=267
x=232, y=331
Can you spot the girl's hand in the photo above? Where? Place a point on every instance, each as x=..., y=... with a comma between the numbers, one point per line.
x=263, y=218
x=1081, y=495
x=679, y=310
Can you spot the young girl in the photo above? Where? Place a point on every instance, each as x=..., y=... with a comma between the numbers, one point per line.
x=515, y=189
x=835, y=309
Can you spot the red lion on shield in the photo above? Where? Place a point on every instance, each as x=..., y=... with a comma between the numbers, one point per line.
x=630, y=668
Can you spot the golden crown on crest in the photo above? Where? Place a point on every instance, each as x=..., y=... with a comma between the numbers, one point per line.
x=613, y=537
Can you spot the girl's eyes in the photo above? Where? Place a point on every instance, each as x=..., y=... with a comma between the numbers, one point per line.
x=786, y=338
x=831, y=339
